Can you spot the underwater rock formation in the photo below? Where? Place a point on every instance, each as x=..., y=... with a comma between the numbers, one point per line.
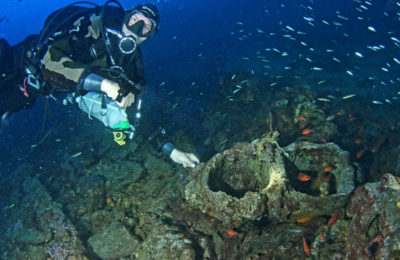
x=113, y=242
x=375, y=229
x=331, y=180
x=226, y=186
x=165, y=242
x=249, y=180
x=42, y=229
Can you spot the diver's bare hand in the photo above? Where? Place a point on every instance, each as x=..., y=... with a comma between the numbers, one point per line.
x=127, y=101
x=112, y=90
x=185, y=159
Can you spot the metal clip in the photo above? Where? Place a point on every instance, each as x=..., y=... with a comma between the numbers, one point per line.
x=33, y=82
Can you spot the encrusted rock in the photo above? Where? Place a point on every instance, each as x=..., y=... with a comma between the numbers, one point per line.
x=165, y=242
x=331, y=180
x=114, y=242
x=236, y=184
x=375, y=226
x=227, y=185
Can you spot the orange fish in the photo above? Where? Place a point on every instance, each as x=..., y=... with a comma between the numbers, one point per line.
x=357, y=141
x=306, y=247
x=378, y=144
x=327, y=169
x=322, y=237
x=304, y=219
x=232, y=232
x=392, y=127
x=322, y=139
x=303, y=177
x=301, y=118
x=360, y=153
x=326, y=179
x=306, y=131
x=339, y=114
x=335, y=216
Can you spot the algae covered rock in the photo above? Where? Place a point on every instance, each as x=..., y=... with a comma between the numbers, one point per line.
x=374, y=229
x=331, y=179
x=165, y=242
x=227, y=185
x=236, y=184
x=113, y=242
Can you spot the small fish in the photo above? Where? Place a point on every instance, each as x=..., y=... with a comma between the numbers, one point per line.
x=306, y=131
x=323, y=237
x=301, y=118
x=317, y=68
x=330, y=118
x=395, y=39
x=233, y=76
x=327, y=169
x=306, y=247
x=162, y=83
x=359, y=54
x=304, y=219
x=303, y=177
x=232, y=232
x=360, y=153
x=309, y=19
x=335, y=216
x=348, y=96
x=357, y=141
x=372, y=29
x=349, y=72
x=76, y=155
x=396, y=60
x=236, y=90
x=336, y=59
x=323, y=99
x=289, y=28
x=326, y=179
x=376, y=102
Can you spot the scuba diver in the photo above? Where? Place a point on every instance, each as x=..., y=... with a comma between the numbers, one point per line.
x=93, y=54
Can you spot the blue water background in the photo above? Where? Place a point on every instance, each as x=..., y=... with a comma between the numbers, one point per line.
x=199, y=41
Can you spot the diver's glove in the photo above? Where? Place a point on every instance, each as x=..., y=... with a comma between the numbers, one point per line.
x=185, y=159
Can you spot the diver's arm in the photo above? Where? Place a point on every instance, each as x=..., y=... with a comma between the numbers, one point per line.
x=60, y=70
x=160, y=141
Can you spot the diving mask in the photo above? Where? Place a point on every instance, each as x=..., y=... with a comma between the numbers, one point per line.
x=139, y=26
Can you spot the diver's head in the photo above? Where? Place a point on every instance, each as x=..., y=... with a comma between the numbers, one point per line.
x=141, y=22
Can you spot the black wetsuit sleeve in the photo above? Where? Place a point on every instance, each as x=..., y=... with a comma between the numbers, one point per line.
x=69, y=58
x=161, y=141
